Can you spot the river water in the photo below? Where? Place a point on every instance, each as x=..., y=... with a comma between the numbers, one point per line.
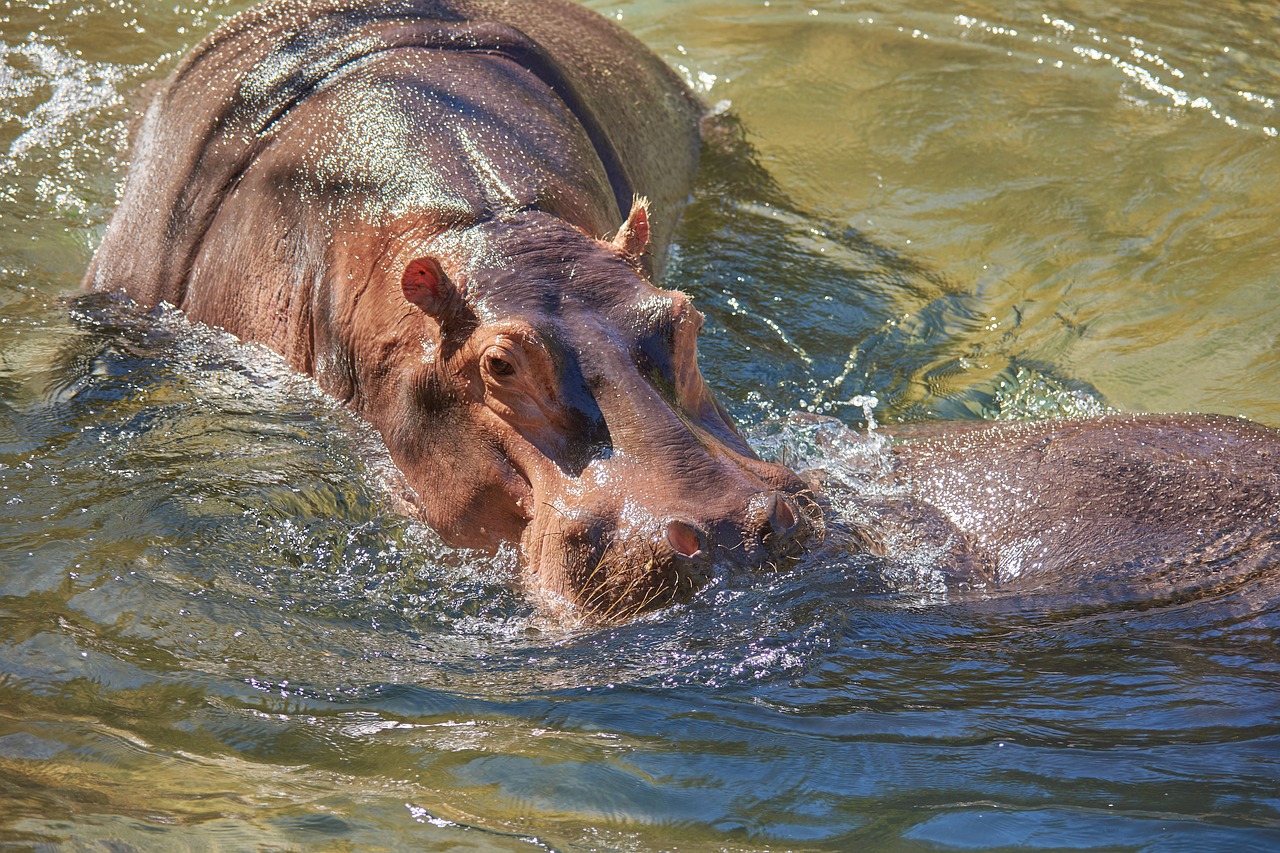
x=214, y=635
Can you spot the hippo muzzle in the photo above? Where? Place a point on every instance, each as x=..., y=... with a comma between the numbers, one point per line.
x=628, y=536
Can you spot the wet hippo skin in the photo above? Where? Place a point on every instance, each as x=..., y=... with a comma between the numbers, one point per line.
x=452, y=214
x=1166, y=501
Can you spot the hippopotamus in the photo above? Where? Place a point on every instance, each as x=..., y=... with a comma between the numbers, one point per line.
x=454, y=216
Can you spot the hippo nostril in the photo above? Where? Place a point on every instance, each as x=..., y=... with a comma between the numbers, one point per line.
x=782, y=518
x=779, y=524
x=685, y=539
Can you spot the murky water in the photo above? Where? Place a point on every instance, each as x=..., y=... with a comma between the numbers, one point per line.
x=214, y=635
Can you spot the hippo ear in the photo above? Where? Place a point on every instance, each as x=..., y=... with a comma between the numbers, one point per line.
x=425, y=285
x=632, y=238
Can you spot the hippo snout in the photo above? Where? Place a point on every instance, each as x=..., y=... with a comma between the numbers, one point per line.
x=610, y=566
x=585, y=559
x=685, y=540
x=771, y=527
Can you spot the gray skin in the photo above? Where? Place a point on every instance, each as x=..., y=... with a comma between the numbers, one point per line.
x=451, y=213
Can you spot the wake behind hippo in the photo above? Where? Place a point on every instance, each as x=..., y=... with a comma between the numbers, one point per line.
x=452, y=214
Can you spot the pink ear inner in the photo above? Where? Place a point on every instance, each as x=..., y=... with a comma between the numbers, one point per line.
x=633, y=237
x=425, y=285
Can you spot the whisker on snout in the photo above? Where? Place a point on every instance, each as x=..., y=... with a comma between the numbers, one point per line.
x=607, y=575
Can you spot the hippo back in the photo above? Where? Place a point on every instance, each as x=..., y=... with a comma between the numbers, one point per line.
x=218, y=111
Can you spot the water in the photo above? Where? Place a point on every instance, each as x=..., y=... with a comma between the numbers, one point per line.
x=215, y=635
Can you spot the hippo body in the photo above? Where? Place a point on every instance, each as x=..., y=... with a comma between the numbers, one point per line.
x=1161, y=502
x=451, y=213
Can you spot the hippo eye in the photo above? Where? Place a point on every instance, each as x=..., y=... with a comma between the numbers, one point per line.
x=497, y=365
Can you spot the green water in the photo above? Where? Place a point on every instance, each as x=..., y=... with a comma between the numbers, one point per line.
x=215, y=636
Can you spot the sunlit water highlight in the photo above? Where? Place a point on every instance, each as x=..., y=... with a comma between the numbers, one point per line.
x=215, y=634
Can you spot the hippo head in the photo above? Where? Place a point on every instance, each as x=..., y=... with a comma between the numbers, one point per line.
x=544, y=392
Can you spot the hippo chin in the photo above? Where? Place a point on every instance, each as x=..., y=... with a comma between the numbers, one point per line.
x=451, y=213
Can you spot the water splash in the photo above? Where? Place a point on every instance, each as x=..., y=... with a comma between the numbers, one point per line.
x=809, y=443
x=48, y=101
x=868, y=403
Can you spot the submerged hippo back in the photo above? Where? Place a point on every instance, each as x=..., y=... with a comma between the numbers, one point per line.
x=224, y=105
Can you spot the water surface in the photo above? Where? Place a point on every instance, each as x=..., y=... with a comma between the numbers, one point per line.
x=214, y=634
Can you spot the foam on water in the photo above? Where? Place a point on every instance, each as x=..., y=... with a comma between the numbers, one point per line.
x=49, y=101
